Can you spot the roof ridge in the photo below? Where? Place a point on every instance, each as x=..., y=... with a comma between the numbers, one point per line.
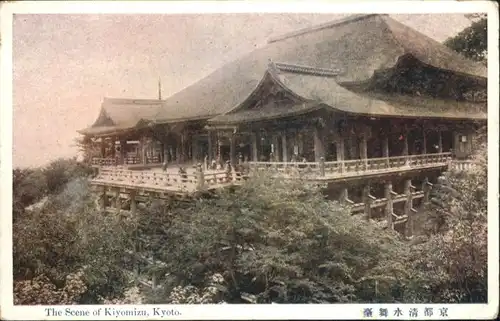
x=132, y=101
x=317, y=71
x=349, y=19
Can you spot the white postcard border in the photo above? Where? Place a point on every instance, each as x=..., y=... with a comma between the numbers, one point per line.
x=231, y=311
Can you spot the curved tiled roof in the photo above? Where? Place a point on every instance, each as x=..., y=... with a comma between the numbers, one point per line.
x=122, y=114
x=358, y=46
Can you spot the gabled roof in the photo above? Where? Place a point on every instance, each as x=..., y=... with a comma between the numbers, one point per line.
x=314, y=63
x=358, y=46
x=121, y=114
x=313, y=90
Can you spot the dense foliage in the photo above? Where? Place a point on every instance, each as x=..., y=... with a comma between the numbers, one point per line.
x=268, y=241
x=472, y=42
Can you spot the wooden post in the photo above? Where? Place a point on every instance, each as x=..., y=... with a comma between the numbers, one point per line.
x=194, y=149
x=142, y=150
x=103, y=147
x=183, y=156
x=408, y=207
x=284, y=147
x=389, y=206
x=367, y=201
x=426, y=187
x=113, y=147
x=340, y=153
x=255, y=150
x=123, y=150
x=200, y=177
x=363, y=149
x=385, y=149
x=440, y=141
x=211, y=154
x=118, y=201
x=232, y=150
x=319, y=148
x=322, y=167
x=275, y=151
x=103, y=198
x=344, y=195
x=405, y=145
x=424, y=139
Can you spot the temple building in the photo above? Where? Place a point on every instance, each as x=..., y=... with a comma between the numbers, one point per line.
x=360, y=99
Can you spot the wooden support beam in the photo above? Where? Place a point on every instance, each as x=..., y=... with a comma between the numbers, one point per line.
x=275, y=150
x=426, y=187
x=389, y=207
x=340, y=152
x=118, y=201
x=133, y=202
x=284, y=147
x=408, y=207
x=211, y=149
x=123, y=150
x=424, y=139
x=255, y=148
x=232, y=150
x=319, y=147
x=344, y=195
x=103, y=198
x=440, y=141
x=367, y=200
x=103, y=147
x=200, y=177
x=385, y=149
x=363, y=150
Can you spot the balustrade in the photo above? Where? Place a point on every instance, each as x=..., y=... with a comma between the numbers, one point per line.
x=201, y=178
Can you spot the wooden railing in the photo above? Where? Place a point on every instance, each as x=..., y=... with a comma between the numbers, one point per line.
x=462, y=165
x=129, y=160
x=369, y=165
x=200, y=178
x=100, y=161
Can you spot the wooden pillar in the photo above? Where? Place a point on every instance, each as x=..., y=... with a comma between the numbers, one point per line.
x=284, y=147
x=344, y=195
x=424, y=139
x=275, y=149
x=103, y=147
x=440, y=141
x=409, y=207
x=426, y=187
x=389, y=206
x=232, y=150
x=118, y=201
x=363, y=149
x=319, y=148
x=300, y=144
x=103, y=198
x=367, y=201
x=385, y=149
x=255, y=148
x=340, y=152
x=211, y=149
x=142, y=150
x=133, y=202
x=200, y=177
x=123, y=151
x=113, y=147
x=194, y=149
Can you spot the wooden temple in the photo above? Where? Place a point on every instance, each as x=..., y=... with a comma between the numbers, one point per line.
x=366, y=106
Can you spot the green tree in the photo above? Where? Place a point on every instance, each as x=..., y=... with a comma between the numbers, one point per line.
x=472, y=41
x=453, y=265
x=281, y=241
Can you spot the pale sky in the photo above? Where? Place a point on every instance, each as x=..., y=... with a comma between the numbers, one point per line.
x=65, y=64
